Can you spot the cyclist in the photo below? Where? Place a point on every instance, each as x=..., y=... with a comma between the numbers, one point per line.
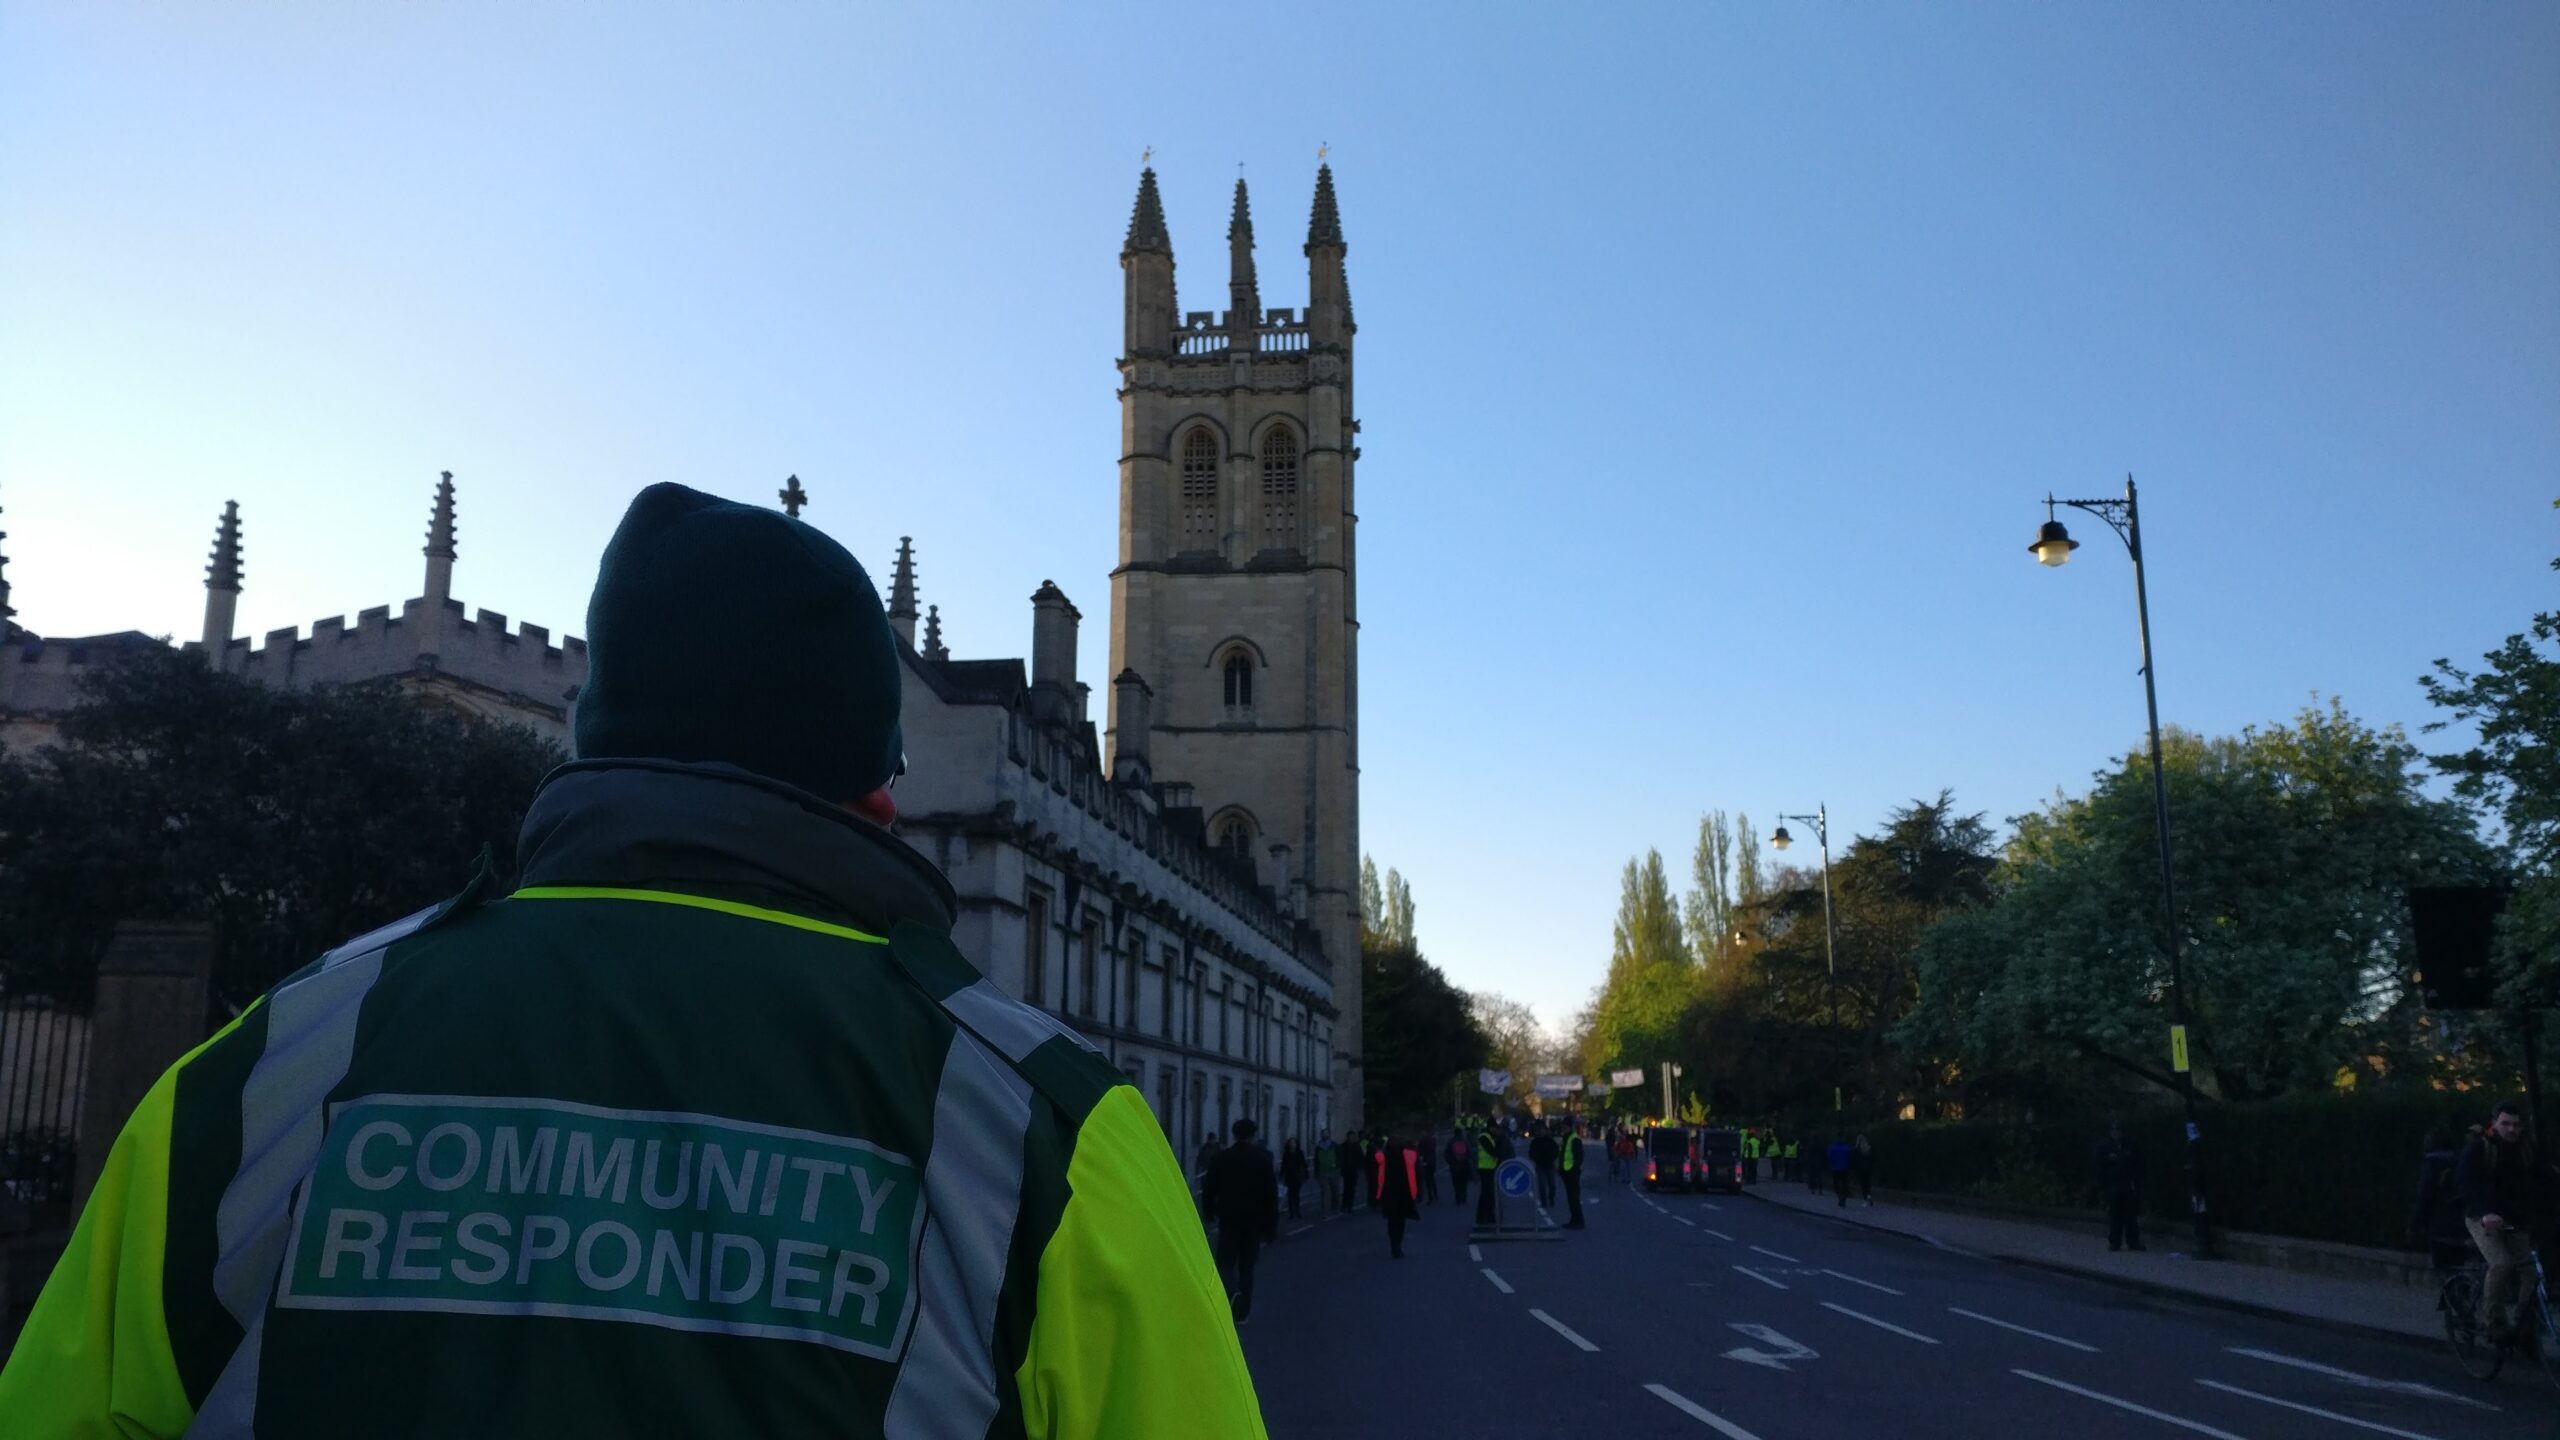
x=2495, y=1176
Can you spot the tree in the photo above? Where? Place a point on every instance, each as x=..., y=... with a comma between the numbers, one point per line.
x=1748, y=887
x=1397, y=922
x=1652, y=975
x=1707, y=910
x=1420, y=1034
x=1373, y=901
x=2514, y=771
x=2295, y=846
x=1513, y=1040
x=292, y=820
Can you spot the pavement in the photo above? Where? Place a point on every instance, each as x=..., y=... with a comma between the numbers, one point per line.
x=1756, y=1318
x=2166, y=1268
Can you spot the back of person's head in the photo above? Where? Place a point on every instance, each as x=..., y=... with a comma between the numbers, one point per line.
x=1242, y=1129
x=731, y=633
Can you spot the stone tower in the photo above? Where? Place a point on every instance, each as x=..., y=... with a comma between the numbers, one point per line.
x=1233, y=599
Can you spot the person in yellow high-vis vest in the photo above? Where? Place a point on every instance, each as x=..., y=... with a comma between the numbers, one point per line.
x=1569, y=1170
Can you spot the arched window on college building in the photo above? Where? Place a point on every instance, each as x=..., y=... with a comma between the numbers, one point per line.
x=1233, y=833
x=1200, y=489
x=1280, y=489
x=1237, y=677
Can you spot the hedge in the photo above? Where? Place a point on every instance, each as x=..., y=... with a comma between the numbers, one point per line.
x=2314, y=1167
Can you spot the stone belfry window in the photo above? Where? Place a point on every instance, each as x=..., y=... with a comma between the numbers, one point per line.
x=1280, y=488
x=1239, y=685
x=1200, y=490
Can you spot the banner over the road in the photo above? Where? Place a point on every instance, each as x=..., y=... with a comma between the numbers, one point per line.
x=1493, y=1082
x=1557, y=1086
x=1625, y=1079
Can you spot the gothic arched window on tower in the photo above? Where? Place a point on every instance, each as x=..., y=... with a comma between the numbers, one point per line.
x=1239, y=685
x=1200, y=489
x=1233, y=834
x=1280, y=489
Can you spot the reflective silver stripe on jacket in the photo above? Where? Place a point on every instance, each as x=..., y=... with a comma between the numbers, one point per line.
x=311, y=1038
x=946, y=1387
x=1012, y=1026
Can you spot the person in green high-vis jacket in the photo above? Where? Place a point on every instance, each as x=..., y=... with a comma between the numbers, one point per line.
x=701, y=1128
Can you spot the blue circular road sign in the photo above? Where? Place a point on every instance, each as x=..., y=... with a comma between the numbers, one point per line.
x=1515, y=1178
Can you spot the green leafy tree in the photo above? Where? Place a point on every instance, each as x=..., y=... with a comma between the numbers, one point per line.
x=1749, y=886
x=1514, y=1041
x=292, y=820
x=1421, y=1035
x=2295, y=846
x=1397, y=923
x=1707, y=910
x=1373, y=901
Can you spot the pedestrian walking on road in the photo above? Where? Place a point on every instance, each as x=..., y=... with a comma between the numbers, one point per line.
x=1347, y=1159
x=1542, y=1154
x=1398, y=1180
x=1460, y=1159
x=1863, y=1165
x=1239, y=1195
x=2116, y=1170
x=1200, y=1161
x=1569, y=1170
x=1430, y=1171
x=1837, y=1159
x=1293, y=1172
x=1324, y=1168
x=712, y=944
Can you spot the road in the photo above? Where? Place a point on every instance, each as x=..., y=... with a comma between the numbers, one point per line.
x=1703, y=1316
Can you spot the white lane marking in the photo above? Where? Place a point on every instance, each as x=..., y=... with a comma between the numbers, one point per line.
x=2400, y=1387
x=1497, y=1280
x=1301, y=1230
x=2315, y=1410
x=1879, y=1324
x=2196, y=1425
x=1685, y=1220
x=1950, y=1249
x=1475, y=1253
x=1566, y=1331
x=2021, y=1329
x=1700, y=1413
x=1716, y=1233
x=1776, y=1255
x=1854, y=1280
x=1763, y=1279
x=1713, y=1205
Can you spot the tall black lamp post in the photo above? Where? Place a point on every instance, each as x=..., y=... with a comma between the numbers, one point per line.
x=2053, y=546
x=1820, y=820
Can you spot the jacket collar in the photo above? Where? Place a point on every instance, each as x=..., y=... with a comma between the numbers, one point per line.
x=719, y=831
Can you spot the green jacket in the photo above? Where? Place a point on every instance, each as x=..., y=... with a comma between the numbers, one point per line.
x=704, y=1130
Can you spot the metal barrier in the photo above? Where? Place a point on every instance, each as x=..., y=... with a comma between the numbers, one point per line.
x=44, y=1058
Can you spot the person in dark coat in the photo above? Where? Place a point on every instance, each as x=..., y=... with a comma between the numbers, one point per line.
x=1396, y=1179
x=1542, y=1154
x=1430, y=1171
x=2116, y=1169
x=1293, y=1172
x=1462, y=1165
x=1837, y=1158
x=1241, y=1195
x=1862, y=1164
x=2501, y=1181
x=1569, y=1170
x=1346, y=1159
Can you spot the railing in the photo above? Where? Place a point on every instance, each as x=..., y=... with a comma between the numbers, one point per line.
x=1281, y=341
x=1212, y=343
x=44, y=1058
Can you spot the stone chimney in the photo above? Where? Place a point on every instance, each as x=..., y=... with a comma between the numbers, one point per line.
x=1054, y=697
x=1132, y=713
x=222, y=587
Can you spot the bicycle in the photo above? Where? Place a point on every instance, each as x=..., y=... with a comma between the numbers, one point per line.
x=2473, y=1348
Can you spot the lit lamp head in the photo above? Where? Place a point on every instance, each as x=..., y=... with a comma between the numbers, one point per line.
x=1782, y=839
x=2053, y=543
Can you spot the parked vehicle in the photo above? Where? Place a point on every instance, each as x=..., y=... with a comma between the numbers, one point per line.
x=1669, y=1161
x=1720, y=1160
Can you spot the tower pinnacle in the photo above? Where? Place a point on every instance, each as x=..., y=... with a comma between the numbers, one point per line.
x=1147, y=235
x=902, y=591
x=933, y=646
x=792, y=497
x=222, y=586
x=1244, y=293
x=7, y=627
x=440, y=543
x=1324, y=222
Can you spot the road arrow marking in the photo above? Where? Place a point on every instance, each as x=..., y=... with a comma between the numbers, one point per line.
x=1781, y=1350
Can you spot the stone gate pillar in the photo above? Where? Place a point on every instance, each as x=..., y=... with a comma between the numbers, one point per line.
x=155, y=985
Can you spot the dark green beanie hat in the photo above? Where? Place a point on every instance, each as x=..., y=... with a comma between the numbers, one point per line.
x=721, y=631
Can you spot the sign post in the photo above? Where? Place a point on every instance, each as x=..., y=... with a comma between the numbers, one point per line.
x=1516, y=1214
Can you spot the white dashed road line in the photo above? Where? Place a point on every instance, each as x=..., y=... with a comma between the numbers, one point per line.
x=1763, y=1279
x=1685, y=1220
x=2403, y=1387
x=2316, y=1410
x=1700, y=1413
x=2023, y=1330
x=1301, y=1230
x=1776, y=1255
x=1854, y=1280
x=1476, y=1253
x=1498, y=1282
x=1879, y=1324
x=2104, y=1399
x=1566, y=1331
x=1716, y=1233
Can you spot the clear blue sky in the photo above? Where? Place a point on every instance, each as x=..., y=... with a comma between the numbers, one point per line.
x=1712, y=361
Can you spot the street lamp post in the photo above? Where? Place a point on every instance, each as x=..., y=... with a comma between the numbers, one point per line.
x=2053, y=546
x=1820, y=820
